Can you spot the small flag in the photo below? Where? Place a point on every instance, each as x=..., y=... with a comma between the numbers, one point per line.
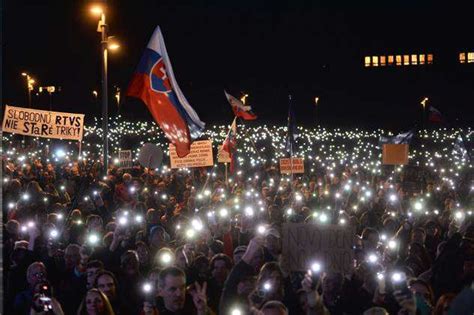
x=230, y=143
x=402, y=138
x=154, y=83
x=239, y=109
x=290, y=146
x=435, y=115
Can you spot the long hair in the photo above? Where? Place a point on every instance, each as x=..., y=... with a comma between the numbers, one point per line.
x=107, y=306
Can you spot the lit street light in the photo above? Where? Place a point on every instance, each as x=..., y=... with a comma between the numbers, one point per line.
x=30, y=82
x=423, y=103
x=316, y=101
x=50, y=90
x=244, y=98
x=106, y=43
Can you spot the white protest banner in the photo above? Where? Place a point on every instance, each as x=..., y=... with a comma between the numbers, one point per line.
x=42, y=123
x=331, y=245
x=223, y=156
x=125, y=158
x=297, y=164
x=199, y=156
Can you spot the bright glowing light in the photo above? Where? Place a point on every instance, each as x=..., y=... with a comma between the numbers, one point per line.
x=393, y=197
x=323, y=218
x=93, y=239
x=123, y=221
x=197, y=224
x=418, y=206
x=372, y=258
x=342, y=221
x=316, y=267
x=138, y=219
x=166, y=258
x=392, y=244
x=60, y=153
x=190, y=233
x=54, y=233
x=25, y=197
x=261, y=229
x=147, y=288
x=267, y=286
x=249, y=211
x=223, y=213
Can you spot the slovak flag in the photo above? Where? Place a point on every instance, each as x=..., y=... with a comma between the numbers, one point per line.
x=239, y=109
x=230, y=143
x=154, y=83
x=435, y=115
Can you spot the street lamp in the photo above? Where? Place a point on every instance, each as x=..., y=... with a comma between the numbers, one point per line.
x=30, y=82
x=244, y=98
x=423, y=103
x=106, y=43
x=50, y=90
x=316, y=101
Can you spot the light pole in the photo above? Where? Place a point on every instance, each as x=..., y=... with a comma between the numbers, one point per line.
x=117, y=97
x=316, y=101
x=105, y=44
x=30, y=82
x=423, y=103
x=50, y=90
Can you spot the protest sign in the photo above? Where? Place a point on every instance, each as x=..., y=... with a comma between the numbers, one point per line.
x=304, y=243
x=125, y=158
x=199, y=156
x=42, y=123
x=223, y=156
x=295, y=164
x=395, y=154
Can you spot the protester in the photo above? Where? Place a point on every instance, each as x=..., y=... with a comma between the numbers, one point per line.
x=191, y=241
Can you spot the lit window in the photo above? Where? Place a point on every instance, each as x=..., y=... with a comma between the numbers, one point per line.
x=421, y=59
x=462, y=57
x=390, y=60
x=367, y=61
x=399, y=60
x=430, y=59
x=375, y=61
x=470, y=57
x=406, y=60
x=383, y=60
x=414, y=59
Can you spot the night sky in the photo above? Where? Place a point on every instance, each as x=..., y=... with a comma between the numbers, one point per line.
x=268, y=49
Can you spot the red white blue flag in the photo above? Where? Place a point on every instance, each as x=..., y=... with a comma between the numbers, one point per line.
x=154, y=83
x=435, y=115
x=239, y=109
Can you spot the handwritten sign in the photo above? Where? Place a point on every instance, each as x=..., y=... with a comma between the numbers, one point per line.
x=200, y=155
x=304, y=243
x=42, y=123
x=223, y=156
x=295, y=164
x=395, y=154
x=125, y=158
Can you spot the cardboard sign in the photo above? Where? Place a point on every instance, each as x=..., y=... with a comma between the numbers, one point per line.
x=295, y=164
x=223, y=156
x=395, y=154
x=42, y=123
x=304, y=243
x=125, y=158
x=200, y=155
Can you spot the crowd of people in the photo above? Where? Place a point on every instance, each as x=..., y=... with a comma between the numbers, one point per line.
x=193, y=241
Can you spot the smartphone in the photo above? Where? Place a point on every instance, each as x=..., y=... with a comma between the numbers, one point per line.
x=46, y=303
x=399, y=283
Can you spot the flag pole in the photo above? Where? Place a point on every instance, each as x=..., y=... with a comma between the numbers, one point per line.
x=226, y=180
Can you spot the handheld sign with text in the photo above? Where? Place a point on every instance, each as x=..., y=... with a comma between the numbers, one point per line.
x=199, y=156
x=395, y=154
x=223, y=156
x=125, y=158
x=295, y=164
x=304, y=243
x=42, y=123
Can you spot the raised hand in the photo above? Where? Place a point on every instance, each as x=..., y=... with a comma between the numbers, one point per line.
x=200, y=298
